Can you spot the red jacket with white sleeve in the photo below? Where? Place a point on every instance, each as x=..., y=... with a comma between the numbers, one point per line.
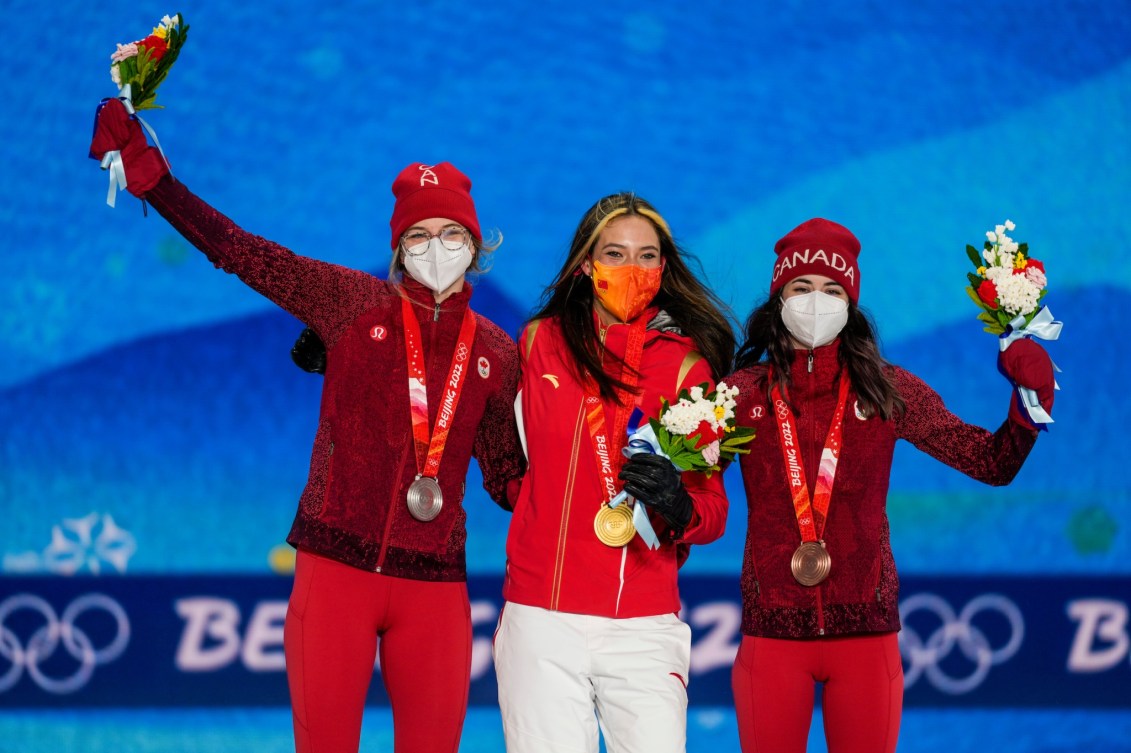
x=554, y=559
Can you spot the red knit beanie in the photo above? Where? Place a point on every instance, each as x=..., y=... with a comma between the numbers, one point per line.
x=426, y=191
x=818, y=247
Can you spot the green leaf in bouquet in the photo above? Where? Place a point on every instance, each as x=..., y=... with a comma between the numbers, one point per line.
x=987, y=318
x=663, y=437
x=975, y=257
x=975, y=280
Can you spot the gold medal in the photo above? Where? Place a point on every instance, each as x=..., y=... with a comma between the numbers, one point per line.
x=811, y=563
x=613, y=525
x=424, y=499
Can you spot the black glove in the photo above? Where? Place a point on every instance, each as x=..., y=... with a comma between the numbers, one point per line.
x=309, y=352
x=653, y=480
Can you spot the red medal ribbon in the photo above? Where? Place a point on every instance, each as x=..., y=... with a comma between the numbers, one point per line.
x=804, y=508
x=607, y=448
x=428, y=452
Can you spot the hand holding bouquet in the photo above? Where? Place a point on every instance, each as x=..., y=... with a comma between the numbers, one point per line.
x=1009, y=286
x=696, y=433
x=118, y=143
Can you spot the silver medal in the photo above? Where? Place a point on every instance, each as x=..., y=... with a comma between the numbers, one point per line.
x=424, y=499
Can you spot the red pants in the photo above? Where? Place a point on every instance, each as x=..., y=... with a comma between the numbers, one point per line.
x=862, y=700
x=335, y=616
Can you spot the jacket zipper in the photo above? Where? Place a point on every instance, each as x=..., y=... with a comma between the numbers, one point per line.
x=563, y=528
x=814, y=439
x=394, y=495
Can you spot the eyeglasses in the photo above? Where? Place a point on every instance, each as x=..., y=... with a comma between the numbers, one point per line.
x=415, y=241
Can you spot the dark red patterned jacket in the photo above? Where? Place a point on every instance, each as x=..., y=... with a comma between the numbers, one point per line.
x=353, y=508
x=861, y=593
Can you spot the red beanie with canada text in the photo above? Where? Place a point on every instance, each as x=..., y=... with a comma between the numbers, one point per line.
x=820, y=247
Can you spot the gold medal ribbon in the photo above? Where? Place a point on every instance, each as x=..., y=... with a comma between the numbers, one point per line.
x=607, y=447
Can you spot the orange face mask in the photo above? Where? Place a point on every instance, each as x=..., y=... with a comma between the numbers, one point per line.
x=625, y=290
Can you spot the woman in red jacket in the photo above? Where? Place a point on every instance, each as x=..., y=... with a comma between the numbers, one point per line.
x=819, y=584
x=416, y=384
x=589, y=636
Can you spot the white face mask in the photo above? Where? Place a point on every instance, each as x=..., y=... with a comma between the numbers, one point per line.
x=437, y=267
x=814, y=319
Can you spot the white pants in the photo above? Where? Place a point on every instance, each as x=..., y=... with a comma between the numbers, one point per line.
x=561, y=674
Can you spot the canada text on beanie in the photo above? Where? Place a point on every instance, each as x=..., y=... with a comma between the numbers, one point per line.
x=821, y=247
x=426, y=191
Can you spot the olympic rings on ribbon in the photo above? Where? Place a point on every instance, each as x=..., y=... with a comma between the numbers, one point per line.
x=58, y=630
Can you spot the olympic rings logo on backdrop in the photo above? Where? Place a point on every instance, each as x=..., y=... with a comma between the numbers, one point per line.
x=55, y=632
x=961, y=631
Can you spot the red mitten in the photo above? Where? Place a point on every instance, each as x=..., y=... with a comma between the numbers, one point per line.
x=116, y=130
x=1026, y=364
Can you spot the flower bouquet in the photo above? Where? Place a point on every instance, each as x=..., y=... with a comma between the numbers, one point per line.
x=138, y=68
x=1009, y=286
x=698, y=431
x=1008, y=283
x=695, y=433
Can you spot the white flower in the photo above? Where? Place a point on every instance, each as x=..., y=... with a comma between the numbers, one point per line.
x=1010, y=226
x=996, y=274
x=685, y=416
x=1036, y=276
x=1017, y=294
x=696, y=393
x=115, y=76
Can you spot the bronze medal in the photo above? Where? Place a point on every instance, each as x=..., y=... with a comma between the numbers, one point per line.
x=613, y=525
x=424, y=499
x=811, y=563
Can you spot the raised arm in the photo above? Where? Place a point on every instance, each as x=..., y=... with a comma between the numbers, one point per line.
x=990, y=457
x=311, y=290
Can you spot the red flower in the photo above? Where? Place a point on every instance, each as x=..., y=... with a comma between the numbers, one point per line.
x=703, y=435
x=987, y=291
x=156, y=46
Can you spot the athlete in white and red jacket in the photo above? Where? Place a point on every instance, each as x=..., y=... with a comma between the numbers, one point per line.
x=590, y=633
x=368, y=566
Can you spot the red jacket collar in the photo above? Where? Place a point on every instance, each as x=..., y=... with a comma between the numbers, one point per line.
x=423, y=296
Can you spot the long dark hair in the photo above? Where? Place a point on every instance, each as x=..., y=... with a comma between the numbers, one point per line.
x=768, y=340
x=697, y=312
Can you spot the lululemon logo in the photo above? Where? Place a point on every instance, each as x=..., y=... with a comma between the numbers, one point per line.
x=756, y=412
x=378, y=333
